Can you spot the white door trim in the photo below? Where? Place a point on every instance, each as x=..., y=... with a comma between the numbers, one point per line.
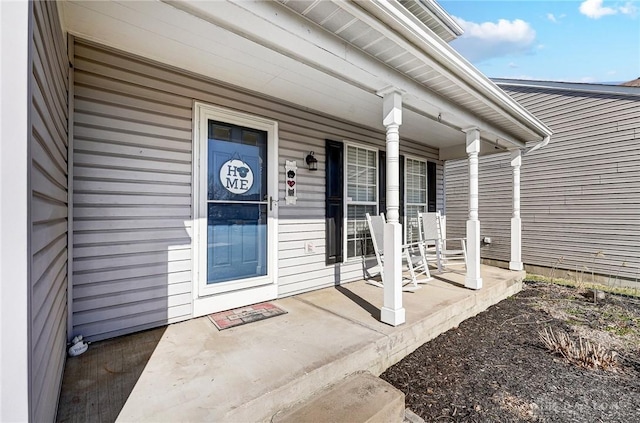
x=206, y=302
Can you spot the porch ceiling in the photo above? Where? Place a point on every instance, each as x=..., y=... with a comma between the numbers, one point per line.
x=323, y=56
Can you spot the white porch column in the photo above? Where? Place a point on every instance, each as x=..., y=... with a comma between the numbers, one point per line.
x=516, y=222
x=473, y=279
x=392, y=311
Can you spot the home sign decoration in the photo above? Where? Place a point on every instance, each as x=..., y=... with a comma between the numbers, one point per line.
x=236, y=176
x=291, y=186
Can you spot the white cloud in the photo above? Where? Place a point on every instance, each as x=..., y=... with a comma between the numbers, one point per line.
x=628, y=9
x=555, y=19
x=482, y=41
x=513, y=65
x=595, y=10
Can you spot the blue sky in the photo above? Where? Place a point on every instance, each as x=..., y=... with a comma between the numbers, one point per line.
x=595, y=41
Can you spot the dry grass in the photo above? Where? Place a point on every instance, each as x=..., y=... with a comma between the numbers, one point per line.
x=580, y=283
x=613, y=322
x=582, y=353
x=518, y=407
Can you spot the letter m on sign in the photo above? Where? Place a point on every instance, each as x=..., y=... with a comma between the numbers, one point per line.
x=232, y=183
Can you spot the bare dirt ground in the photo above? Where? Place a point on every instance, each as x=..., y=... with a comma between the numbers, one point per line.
x=495, y=368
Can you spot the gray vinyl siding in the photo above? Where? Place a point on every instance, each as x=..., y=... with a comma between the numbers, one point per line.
x=495, y=194
x=132, y=197
x=48, y=232
x=580, y=194
x=132, y=189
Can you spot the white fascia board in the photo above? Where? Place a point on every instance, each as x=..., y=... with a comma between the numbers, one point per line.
x=439, y=55
x=459, y=151
x=278, y=28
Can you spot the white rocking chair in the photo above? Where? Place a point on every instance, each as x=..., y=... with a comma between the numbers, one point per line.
x=433, y=232
x=413, y=255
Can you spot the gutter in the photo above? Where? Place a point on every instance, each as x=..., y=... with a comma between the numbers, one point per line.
x=538, y=146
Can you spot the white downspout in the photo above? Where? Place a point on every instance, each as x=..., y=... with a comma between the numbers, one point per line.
x=538, y=146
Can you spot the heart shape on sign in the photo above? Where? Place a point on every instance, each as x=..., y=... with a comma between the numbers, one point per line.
x=291, y=183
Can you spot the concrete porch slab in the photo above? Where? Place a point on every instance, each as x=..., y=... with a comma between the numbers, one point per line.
x=250, y=372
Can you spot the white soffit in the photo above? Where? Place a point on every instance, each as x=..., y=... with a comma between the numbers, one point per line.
x=434, y=17
x=271, y=49
x=393, y=35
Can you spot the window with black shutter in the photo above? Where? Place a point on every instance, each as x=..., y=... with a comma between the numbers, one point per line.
x=361, y=170
x=361, y=188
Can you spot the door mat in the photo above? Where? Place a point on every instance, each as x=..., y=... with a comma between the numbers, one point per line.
x=239, y=316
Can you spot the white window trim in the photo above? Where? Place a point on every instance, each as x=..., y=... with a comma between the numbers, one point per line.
x=206, y=302
x=347, y=202
x=406, y=202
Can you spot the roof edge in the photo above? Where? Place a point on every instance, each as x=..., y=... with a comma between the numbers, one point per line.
x=570, y=86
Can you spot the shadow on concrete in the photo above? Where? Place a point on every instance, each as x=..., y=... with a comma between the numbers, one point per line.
x=446, y=277
x=359, y=301
x=96, y=384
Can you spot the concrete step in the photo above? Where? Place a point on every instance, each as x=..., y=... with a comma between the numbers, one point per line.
x=360, y=397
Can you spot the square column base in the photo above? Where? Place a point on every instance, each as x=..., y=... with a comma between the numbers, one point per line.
x=392, y=317
x=392, y=311
x=516, y=244
x=473, y=279
x=516, y=265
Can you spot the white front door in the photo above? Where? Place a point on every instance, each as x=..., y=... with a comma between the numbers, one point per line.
x=236, y=209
